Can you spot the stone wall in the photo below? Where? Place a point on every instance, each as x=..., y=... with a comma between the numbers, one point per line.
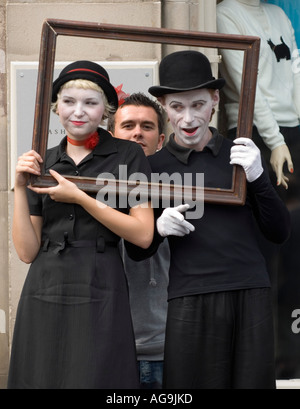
x=4, y=237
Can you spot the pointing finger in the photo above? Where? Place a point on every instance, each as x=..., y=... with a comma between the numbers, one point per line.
x=182, y=208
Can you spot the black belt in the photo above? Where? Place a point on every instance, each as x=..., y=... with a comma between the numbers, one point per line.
x=99, y=244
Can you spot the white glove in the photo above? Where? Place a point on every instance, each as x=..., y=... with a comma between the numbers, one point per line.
x=172, y=222
x=247, y=155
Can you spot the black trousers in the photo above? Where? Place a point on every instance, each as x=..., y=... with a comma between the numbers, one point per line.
x=220, y=341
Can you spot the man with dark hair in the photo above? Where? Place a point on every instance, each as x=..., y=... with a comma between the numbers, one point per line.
x=140, y=119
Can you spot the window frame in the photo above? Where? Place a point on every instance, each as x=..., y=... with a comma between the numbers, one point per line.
x=52, y=28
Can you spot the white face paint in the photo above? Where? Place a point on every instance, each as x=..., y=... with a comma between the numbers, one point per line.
x=80, y=111
x=190, y=113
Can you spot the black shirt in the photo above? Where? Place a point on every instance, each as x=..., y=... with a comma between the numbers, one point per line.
x=108, y=155
x=222, y=254
x=74, y=315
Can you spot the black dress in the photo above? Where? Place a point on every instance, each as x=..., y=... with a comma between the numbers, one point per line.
x=73, y=326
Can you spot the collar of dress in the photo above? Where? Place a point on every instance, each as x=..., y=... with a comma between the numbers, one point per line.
x=253, y=3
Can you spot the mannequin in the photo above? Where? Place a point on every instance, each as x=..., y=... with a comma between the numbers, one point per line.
x=277, y=134
x=277, y=105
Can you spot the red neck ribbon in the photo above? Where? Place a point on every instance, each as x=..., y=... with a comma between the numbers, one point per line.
x=89, y=143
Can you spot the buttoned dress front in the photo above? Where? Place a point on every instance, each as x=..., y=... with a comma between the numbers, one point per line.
x=73, y=326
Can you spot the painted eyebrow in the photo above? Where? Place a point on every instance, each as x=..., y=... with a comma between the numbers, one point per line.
x=85, y=99
x=92, y=99
x=193, y=102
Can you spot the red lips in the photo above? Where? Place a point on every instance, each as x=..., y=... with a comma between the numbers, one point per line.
x=78, y=123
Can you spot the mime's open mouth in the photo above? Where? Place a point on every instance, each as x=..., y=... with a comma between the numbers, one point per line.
x=190, y=131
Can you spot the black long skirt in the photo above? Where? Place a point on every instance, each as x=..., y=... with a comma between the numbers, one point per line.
x=73, y=326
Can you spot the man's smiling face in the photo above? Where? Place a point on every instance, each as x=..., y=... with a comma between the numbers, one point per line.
x=139, y=124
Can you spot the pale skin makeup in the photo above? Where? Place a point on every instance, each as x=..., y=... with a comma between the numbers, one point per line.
x=80, y=111
x=189, y=114
x=139, y=124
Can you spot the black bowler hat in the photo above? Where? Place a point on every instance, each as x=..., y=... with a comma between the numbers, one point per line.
x=185, y=71
x=86, y=70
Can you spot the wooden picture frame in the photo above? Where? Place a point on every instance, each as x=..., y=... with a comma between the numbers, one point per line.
x=54, y=27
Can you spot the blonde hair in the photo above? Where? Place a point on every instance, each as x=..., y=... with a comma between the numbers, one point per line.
x=85, y=84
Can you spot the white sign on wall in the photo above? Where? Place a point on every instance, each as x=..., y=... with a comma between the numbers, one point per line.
x=135, y=76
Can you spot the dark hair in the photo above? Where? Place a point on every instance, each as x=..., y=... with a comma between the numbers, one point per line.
x=139, y=99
